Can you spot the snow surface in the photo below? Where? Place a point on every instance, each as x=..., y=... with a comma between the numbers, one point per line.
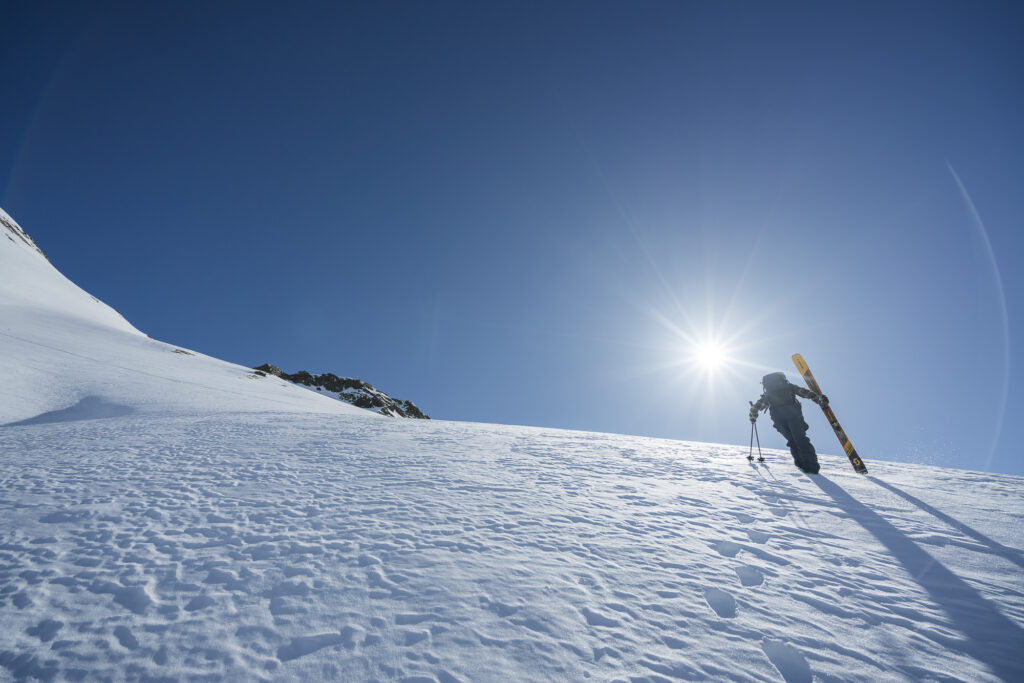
x=65, y=355
x=170, y=516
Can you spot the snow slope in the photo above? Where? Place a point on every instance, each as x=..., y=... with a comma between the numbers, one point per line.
x=67, y=355
x=217, y=526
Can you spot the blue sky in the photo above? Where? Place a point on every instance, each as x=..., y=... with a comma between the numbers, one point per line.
x=527, y=212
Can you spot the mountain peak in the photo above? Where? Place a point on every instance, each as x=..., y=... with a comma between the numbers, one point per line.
x=16, y=233
x=65, y=355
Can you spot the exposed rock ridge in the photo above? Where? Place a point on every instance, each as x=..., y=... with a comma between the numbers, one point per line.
x=17, y=231
x=354, y=391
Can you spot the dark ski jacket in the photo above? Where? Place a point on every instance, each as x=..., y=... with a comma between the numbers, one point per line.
x=788, y=399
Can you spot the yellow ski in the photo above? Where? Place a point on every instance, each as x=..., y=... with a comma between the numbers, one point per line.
x=812, y=384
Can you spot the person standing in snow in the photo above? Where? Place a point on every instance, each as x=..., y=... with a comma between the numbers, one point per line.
x=779, y=398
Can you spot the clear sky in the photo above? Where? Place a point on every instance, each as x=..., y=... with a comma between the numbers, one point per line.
x=530, y=212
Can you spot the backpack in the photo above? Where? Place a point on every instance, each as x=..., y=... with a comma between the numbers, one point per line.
x=778, y=390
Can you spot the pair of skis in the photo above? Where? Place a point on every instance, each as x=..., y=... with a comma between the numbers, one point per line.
x=812, y=384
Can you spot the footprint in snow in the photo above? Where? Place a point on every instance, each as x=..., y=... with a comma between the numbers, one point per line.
x=411, y=637
x=750, y=576
x=758, y=536
x=728, y=548
x=721, y=601
x=787, y=659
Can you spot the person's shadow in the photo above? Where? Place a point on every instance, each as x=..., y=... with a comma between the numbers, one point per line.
x=996, y=547
x=991, y=637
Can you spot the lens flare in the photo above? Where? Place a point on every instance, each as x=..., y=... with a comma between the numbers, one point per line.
x=709, y=355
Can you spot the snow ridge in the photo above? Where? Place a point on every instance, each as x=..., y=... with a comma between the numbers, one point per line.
x=16, y=230
x=65, y=355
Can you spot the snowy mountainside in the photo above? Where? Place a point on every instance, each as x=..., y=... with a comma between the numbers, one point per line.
x=64, y=353
x=291, y=546
x=15, y=231
x=165, y=515
x=30, y=287
x=354, y=391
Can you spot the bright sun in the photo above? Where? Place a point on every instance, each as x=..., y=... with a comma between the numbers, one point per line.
x=709, y=355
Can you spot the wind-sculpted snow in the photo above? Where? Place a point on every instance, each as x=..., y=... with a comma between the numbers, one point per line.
x=347, y=547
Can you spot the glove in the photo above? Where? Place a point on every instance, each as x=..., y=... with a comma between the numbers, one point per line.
x=753, y=416
x=823, y=401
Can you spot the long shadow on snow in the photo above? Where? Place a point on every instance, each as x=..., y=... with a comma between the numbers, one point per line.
x=89, y=408
x=996, y=547
x=992, y=638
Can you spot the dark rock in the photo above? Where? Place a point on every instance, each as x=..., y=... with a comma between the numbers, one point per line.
x=271, y=370
x=355, y=391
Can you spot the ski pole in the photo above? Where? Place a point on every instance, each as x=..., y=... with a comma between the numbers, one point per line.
x=760, y=458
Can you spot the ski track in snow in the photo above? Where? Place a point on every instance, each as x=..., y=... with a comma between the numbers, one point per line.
x=338, y=547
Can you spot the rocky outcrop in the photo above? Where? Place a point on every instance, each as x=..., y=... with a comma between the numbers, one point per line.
x=16, y=230
x=354, y=391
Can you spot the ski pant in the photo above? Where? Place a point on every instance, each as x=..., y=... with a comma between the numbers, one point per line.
x=789, y=421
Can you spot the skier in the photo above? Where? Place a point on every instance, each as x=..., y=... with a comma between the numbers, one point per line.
x=788, y=417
